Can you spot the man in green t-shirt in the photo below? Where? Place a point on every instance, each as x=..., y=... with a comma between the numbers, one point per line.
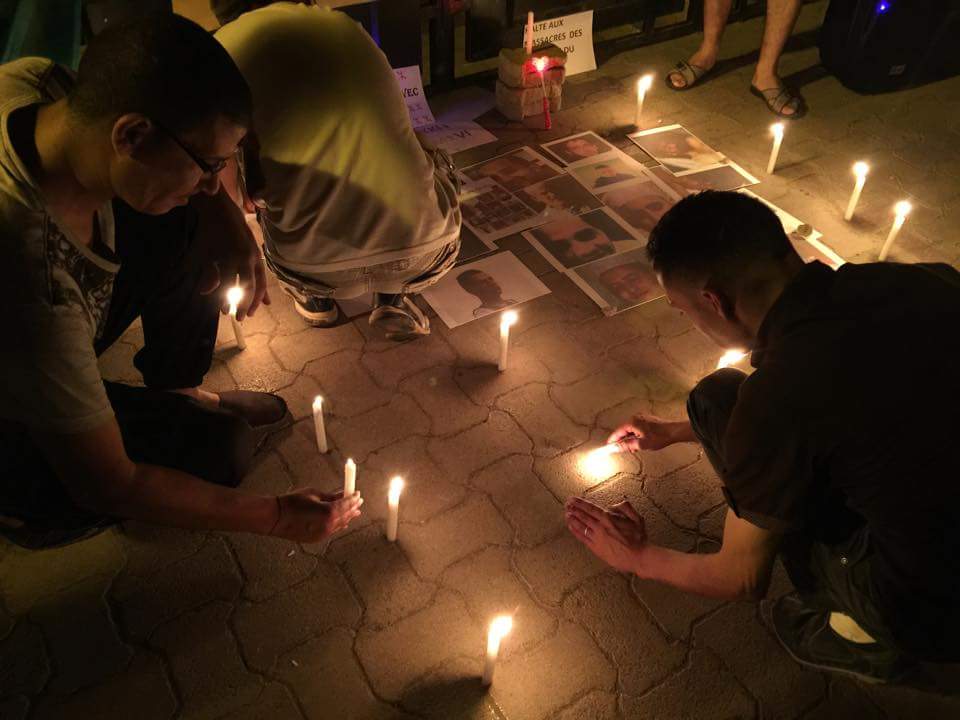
x=111, y=209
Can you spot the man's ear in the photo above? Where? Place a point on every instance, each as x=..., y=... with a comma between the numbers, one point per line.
x=130, y=133
x=720, y=303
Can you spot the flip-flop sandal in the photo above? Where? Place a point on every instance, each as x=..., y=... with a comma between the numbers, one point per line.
x=691, y=74
x=776, y=99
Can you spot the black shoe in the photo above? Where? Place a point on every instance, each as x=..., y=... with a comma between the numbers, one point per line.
x=264, y=412
x=317, y=311
x=806, y=635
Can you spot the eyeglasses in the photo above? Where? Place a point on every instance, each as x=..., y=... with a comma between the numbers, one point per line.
x=207, y=168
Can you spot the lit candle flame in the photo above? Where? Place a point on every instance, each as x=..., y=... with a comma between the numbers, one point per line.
x=234, y=296
x=731, y=357
x=777, y=130
x=540, y=63
x=860, y=169
x=902, y=208
x=508, y=319
x=396, y=487
x=318, y=403
x=644, y=84
x=598, y=463
x=500, y=628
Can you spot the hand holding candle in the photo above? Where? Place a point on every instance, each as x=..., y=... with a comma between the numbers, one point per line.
x=643, y=85
x=860, y=169
x=319, y=425
x=777, y=130
x=902, y=209
x=234, y=296
x=393, y=507
x=507, y=319
x=349, y=477
x=499, y=629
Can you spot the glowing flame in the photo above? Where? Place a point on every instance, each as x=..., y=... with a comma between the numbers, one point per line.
x=396, y=487
x=234, y=296
x=499, y=629
x=599, y=464
x=860, y=169
x=731, y=357
x=902, y=208
x=540, y=63
x=777, y=130
x=318, y=403
x=507, y=319
x=644, y=84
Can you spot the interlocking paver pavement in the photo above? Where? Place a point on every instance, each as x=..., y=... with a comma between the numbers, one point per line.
x=161, y=624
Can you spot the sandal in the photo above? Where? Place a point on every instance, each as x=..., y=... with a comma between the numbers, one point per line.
x=778, y=98
x=691, y=74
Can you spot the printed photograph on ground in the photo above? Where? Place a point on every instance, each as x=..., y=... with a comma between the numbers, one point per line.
x=640, y=204
x=514, y=170
x=471, y=246
x=576, y=240
x=561, y=195
x=484, y=286
x=578, y=147
x=677, y=149
x=806, y=240
x=606, y=171
x=725, y=177
x=491, y=212
x=619, y=282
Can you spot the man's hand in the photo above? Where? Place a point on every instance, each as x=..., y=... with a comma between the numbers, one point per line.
x=229, y=250
x=648, y=432
x=308, y=515
x=617, y=536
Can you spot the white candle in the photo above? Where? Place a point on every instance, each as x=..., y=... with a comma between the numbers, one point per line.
x=902, y=209
x=730, y=357
x=528, y=34
x=393, y=507
x=643, y=84
x=234, y=296
x=319, y=424
x=860, y=169
x=507, y=319
x=499, y=629
x=349, y=477
x=777, y=130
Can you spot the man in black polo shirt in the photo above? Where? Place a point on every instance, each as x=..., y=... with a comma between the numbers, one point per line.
x=829, y=452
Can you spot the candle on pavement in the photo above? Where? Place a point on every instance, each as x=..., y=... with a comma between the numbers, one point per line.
x=507, y=319
x=860, y=169
x=319, y=424
x=234, y=296
x=902, y=209
x=393, y=507
x=643, y=84
x=499, y=629
x=349, y=477
x=598, y=463
x=777, y=130
x=528, y=34
x=730, y=357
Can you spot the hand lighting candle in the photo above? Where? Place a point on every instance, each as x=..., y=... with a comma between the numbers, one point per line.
x=393, y=507
x=902, y=209
x=234, y=296
x=777, y=130
x=499, y=629
x=319, y=424
x=860, y=169
x=507, y=319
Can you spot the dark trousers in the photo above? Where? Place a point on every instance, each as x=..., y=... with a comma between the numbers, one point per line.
x=829, y=565
x=158, y=282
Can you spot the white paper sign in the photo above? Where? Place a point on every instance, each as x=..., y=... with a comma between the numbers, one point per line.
x=411, y=87
x=571, y=33
x=457, y=136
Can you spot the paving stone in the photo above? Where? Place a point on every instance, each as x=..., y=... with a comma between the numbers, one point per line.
x=14, y=708
x=205, y=663
x=784, y=689
x=395, y=657
x=296, y=350
x=269, y=565
x=712, y=522
x=686, y=494
x=674, y=610
x=694, y=352
x=490, y=587
x=363, y=434
x=116, y=364
x=149, y=548
x=267, y=629
x=308, y=468
x=299, y=396
x=456, y=534
x=537, y=684
x=556, y=567
x=663, y=378
x=552, y=432
x=382, y=576
x=142, y=691
x=268, y=476
x=24, y=663
x=658, y=463
x=704, y=690
x=566, y=362
x=528, y=506
x=449, y=408
x=26, y=577
x=391, y=366
x=218, y=378
x=463, y=454
x=452, y=691
x=255, y=368
x=348, y=389
x=484, y=383
x=584, y=400
x=595, y=706
x=143, y=603
x=328, y=681
x=85, y=647
x=275, y=703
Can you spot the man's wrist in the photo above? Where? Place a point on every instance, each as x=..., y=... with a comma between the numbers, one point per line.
x=681, y=431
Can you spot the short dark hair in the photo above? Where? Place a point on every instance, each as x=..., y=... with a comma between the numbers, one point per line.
x=163, y=66
x=714, y=235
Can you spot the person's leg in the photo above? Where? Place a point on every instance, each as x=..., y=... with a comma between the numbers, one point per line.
x=715, y=16
x=709, y=407
x=781, y=17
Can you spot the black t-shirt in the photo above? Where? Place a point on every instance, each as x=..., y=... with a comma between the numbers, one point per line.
x=854, y=402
